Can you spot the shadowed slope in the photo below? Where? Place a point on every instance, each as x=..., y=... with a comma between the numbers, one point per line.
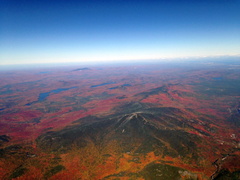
x=146, y=129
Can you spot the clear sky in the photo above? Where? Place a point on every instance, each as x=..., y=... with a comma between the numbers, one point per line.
x=49, y=31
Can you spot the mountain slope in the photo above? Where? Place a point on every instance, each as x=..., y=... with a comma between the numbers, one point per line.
x=161, y=130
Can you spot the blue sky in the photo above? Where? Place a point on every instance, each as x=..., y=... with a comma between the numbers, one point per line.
x=110, y=30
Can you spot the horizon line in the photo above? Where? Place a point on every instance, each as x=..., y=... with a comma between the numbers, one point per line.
x=113, y=61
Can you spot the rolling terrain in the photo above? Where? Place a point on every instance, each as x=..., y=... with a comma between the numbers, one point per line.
x=149, y=121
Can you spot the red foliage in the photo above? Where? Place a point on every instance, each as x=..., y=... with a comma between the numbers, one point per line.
x=24, y=123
